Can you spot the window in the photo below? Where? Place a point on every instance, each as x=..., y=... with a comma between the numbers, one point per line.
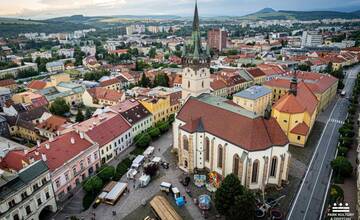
x=273, y=167
x=95, y=156
x=89, y=159
x=255, y=170
x=47, y=195
x=57, y=183
x=23, y=195
x=188, y=84
x=43, y=181
x=236, y=162
x=185, y=143
x=11, y=203
x=285, y=121
x=67, y=177
x=28, y=210
x=202, y=84
x=220, y=156
x=35, y=186
x=298, y=138
x=74, y=171
x=16, y=217
x=39, y=202
x=207, y=149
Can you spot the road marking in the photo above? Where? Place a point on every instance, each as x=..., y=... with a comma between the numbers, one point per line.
x=317, y=177
x=337, y=121
x=312, y=160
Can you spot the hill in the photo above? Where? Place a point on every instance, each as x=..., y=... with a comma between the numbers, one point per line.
x=267, y=14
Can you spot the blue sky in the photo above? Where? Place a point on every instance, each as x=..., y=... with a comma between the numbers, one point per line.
x=53, y=8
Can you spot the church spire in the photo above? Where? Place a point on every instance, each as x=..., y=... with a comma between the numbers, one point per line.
x=196, y=21
x=293, y=84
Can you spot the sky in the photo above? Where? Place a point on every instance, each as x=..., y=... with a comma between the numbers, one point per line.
x=56, y=8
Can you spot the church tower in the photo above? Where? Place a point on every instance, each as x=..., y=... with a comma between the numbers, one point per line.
x=196, y=64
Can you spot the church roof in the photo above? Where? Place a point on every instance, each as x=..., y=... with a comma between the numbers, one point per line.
x=249, y=133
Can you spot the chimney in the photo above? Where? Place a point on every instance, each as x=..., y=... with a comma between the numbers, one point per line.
x=81, y=134
x=47, y=146
x=43, y=157
x=72, y=140
x=26, y=151
x=51, y=138
x=36, y=153
x=38, y=143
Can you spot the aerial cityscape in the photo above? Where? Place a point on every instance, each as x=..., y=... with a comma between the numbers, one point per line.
x=181, y=110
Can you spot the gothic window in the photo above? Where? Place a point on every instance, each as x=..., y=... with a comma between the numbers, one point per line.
x=202, y=84
x=273, y=166
x=236, y=162
x=220, y=156
x=185, y=143
x=207, y=149
x=188, y=84
x=255, y=171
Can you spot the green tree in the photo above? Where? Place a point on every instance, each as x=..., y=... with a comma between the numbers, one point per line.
x=93, y=185
x=244, y=207
x=59, y=107
x=88, y=113
x=161, y=79
x=226, y=193
x=152, y=52
x=142, y=140
x=79, y=116
x=154, y=133
x=304, y=67
x=342, y=166
x=106, y=173
x=144, y=81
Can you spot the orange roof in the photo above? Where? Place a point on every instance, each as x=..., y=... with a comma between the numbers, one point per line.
x=109, y=82
x=7, y=82
x=305, y=100
x=217, y=84
x=36, y=84
x=301, y=129
x=53, y=123
x=107, y=94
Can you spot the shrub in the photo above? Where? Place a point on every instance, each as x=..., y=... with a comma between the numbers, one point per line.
x=341, y=166
x=346, y=141
x=336, y=194
x=93, y=185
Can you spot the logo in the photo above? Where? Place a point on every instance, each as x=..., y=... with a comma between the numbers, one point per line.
x=340, y=211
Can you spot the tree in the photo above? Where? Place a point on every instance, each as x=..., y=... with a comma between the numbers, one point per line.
x=144, y=81
x=154, y=133
x=226, y=193
x=342, y=166
x=59, y=107
x=106, y=173
x=152, y=52
x=88, y=113
x=142, y=140
x=93, y=185
x=244, y=206
x=79, y=116
x=304, y=67
x=164, y=127
x=161, y=80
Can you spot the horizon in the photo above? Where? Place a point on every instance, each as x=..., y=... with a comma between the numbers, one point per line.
x=45, y=9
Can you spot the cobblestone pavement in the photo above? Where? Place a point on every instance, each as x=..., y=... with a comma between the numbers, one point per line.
x=132, y=200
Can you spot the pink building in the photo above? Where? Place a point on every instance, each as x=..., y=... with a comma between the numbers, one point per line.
x=71, y=158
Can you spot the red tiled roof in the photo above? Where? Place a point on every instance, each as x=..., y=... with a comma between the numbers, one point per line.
x=13, y=159
x=256, y=72
x=53, y=123
x=7, y=82
x=175, y=98
x=301, y=129
x=36, y=84
x=106, y=94
x=108, y=130
x=249, y=134
x=305, y=100
x=109, y=82
x=269, y=69
x=217, y=84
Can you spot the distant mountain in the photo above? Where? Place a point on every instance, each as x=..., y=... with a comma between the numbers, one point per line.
x=300, y=15
x=266, y=10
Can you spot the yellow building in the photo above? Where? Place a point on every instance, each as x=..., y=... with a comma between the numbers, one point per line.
x=255, y=99
x=159, y=107
x=58, y=78
x=296, y=112
x=324, y=86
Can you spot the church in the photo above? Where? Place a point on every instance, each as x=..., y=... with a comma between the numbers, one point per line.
x=215, y=134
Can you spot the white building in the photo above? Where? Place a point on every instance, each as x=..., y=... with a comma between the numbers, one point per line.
x=26, y=194
x=311, y=39
x=89, y=50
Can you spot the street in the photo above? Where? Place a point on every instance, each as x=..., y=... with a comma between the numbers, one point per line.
x=310, y=198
